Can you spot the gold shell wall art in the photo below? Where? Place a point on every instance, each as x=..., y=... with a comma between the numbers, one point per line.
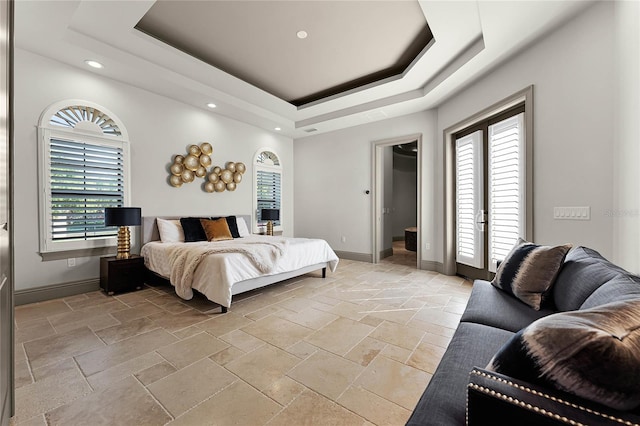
x=186, y=168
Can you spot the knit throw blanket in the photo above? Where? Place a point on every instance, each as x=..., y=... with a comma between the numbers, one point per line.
x=185, y=259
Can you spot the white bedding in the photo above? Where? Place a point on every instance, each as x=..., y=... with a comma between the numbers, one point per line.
x=218, y=272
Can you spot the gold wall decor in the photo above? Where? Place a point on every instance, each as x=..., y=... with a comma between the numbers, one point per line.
x=186, y=168
x=194, y=164
x=227, y=179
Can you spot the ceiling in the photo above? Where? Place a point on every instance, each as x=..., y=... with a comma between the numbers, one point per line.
x=469, y=39
x=290, y=48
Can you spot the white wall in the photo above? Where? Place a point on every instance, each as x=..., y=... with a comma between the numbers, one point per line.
x=573, y=76
x=158, y=129
x=333, y=170
x=626, y=190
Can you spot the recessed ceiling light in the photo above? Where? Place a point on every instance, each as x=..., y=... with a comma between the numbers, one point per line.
x=277, y=129
x=211, y=105
x=302, y=34
x=94, y=64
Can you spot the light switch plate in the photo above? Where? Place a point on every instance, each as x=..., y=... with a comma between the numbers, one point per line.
x=572, y=213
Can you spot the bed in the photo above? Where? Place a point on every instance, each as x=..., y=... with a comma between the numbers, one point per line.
x=222, y=269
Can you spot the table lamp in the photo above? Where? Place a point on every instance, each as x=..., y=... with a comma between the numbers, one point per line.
x=123, y=217
x=270, y=215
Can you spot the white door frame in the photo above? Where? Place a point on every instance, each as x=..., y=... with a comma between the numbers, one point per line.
x=376, y=207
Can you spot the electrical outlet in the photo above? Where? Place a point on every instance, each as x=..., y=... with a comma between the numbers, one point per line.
x=427, y=246
x=71, y=262
x=343, y=239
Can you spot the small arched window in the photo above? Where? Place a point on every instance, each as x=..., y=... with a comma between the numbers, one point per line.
x=268, y=186
x=83, y=166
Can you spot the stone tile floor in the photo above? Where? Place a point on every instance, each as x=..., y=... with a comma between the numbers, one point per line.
x=357, y=347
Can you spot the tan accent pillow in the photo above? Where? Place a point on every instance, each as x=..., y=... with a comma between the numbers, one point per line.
x=216, y=230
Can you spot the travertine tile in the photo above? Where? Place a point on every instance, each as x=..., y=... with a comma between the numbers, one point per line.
x=53, y=349
x=365, y=351
x=184, y=389
x=340, y=336
x=284, y=390
x=326, y=373
x=239, y=404
x=39, y=310
x=44, y=395
x=124, y=331
x=377, y=410
x=226, y=355
x=219, y=325
x=277, y=331
x=39, y=329
x=374, y=381
x=263, y=366
x=394, y=381
x=405, y=337
x=311, y=409
x=426, y=357
x=310, y=317
x=124, y=403
x=242, y=340
x=52, y=369
x=114, y=374
x=109, y=356
x=142, y=310
x=155, y=373
x=192, y=349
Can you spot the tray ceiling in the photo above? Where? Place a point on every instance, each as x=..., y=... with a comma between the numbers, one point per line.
x=345, y=45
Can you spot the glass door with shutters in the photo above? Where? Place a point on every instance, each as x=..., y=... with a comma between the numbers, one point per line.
x=490, y=192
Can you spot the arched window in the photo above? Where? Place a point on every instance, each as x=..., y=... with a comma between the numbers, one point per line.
x=268, y=186
x=83, y=166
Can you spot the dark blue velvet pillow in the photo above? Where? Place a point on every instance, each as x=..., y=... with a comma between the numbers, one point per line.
x=593, y=353
x=193, y=230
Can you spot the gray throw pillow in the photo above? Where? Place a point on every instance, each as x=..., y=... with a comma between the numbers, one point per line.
x=529, y=271
x=593, y=353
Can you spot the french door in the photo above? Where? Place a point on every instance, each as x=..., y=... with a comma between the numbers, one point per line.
x=490, y=192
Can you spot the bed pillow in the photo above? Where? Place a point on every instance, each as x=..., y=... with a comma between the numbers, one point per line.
x=529, y=271
x=593, y=353
x=170, y=231
x=193, y=230
x=233, y=225
x=216, y=230
x=243, y=231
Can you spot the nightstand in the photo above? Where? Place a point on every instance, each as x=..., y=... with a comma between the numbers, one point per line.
x=121, y=275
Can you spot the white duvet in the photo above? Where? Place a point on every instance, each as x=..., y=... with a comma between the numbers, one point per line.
x=216, y=274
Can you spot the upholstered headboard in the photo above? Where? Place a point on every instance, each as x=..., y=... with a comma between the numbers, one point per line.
x=150, y=227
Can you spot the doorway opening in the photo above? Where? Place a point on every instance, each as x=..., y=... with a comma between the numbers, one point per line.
x=397, y=200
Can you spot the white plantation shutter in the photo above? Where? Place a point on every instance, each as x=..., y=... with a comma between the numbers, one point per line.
x=506, y=186
x=84, y=179
x=469, y=195
x=269, y=192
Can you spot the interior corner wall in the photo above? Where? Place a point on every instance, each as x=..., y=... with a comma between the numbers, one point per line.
x=333, y=171
x=572, y=72
x=158, y=128
x=626, y=189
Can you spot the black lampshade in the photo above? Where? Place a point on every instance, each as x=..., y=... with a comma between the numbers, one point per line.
x=270, y=214
x=122, y=216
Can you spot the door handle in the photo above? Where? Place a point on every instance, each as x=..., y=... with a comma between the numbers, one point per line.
x=5, y=226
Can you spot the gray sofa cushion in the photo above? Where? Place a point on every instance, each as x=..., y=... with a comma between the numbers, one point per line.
x=622, y=287
x=584, y=270
x=491, y=306
x=443, y=402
